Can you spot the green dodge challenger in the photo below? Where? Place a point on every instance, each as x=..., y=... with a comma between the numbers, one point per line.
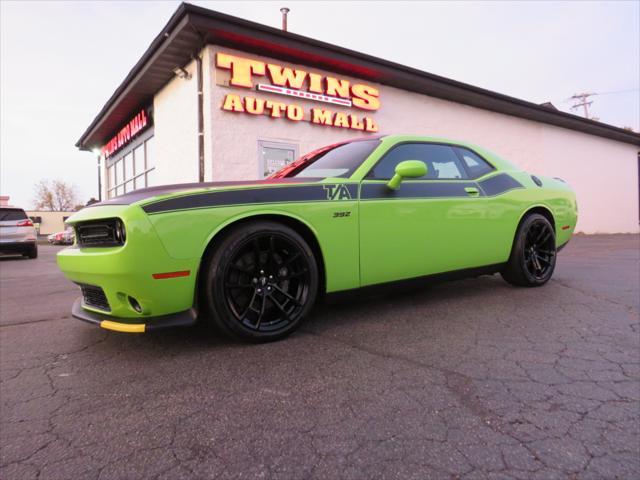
x=252, y=257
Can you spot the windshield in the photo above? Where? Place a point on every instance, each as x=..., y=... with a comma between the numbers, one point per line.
x=333, y=161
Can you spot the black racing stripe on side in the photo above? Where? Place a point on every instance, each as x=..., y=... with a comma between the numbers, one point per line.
x=498, y=184
x=306, y=193
x=409, y=189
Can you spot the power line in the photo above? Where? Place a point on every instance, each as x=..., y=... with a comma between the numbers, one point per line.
x=618, y=91
x=606, y=93
x=582, y=100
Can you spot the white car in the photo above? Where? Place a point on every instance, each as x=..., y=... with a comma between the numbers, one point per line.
x=17, y=233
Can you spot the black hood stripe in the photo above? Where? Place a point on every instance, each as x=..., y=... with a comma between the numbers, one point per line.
x=150, y=192
x=490, y=187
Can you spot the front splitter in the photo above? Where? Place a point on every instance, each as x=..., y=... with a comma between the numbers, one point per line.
x=133, y=325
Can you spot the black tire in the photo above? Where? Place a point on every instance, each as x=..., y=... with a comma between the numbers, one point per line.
x=259, y=282
x=31, y=252
x=533, y=255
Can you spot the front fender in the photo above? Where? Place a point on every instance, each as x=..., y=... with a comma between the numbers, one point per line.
x=271, y=212
x=187, y=234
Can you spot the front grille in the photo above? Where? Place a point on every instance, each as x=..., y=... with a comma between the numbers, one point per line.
x=100, y=233
x=94, y=297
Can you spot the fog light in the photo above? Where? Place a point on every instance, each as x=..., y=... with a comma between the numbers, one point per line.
x=135, y=305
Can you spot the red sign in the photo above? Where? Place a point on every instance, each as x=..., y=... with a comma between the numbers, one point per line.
x=136, y=125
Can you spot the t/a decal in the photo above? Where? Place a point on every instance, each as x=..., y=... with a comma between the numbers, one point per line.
x=337, y=192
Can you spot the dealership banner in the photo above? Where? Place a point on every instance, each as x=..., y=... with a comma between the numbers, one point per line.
x=295, y=83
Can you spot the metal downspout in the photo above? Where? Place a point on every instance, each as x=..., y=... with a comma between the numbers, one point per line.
x=200, y=119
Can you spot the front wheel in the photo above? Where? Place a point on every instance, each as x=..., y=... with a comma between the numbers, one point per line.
x=261, y=281
x=533, y=255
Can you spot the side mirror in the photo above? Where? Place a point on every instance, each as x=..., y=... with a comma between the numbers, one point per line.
x=407, y=169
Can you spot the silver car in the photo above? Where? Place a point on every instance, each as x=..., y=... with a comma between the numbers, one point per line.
x=17, y=233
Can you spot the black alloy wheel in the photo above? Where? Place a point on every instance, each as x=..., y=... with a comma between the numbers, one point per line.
x=533, y=256
x=539, y=250
x=262, y=281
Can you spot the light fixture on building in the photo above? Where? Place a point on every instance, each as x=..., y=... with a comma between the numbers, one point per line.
x=182, y=73
x=97, y=153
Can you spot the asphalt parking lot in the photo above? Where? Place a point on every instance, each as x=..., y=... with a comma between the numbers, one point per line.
x=470, y=379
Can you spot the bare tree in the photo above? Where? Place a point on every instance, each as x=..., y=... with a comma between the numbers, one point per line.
x=55, y=195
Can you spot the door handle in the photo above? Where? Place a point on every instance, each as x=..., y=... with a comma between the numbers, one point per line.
x=472, y=191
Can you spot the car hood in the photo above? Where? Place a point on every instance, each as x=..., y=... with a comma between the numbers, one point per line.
x=185, y=188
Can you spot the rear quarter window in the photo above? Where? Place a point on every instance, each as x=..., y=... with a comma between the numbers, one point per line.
x=475, y=164
x=11, y=214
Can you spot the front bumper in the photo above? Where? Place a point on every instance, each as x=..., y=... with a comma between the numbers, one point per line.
x=133, y=325
x=136, y=276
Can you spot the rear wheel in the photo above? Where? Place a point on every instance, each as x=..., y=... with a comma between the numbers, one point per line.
x=261, y=281
x=31, y=252
x=533, y=255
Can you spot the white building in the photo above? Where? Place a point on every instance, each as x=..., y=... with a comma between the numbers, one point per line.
x=216, y=98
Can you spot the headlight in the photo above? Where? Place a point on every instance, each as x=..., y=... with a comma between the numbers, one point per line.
x=108, y=232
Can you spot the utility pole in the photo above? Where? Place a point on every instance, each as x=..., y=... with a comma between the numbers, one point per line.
x=581, y=101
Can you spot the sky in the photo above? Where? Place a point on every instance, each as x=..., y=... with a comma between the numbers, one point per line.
x=61, y=61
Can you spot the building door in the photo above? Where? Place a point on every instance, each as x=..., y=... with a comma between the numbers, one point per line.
x=272, y=156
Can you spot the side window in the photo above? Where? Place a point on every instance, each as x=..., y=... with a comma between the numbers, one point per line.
x=442, y=162
x=476, y=165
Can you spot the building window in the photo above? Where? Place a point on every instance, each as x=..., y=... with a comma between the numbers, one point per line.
x=272, y=156
x=131, y=169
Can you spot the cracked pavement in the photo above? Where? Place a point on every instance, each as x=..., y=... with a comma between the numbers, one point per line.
x=470, y=379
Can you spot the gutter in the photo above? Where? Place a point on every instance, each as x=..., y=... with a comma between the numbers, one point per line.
x=198, y=59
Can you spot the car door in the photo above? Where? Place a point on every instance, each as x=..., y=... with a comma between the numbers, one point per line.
x=433, y=224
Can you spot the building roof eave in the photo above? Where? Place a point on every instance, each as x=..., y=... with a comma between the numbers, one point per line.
x=191, y=27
